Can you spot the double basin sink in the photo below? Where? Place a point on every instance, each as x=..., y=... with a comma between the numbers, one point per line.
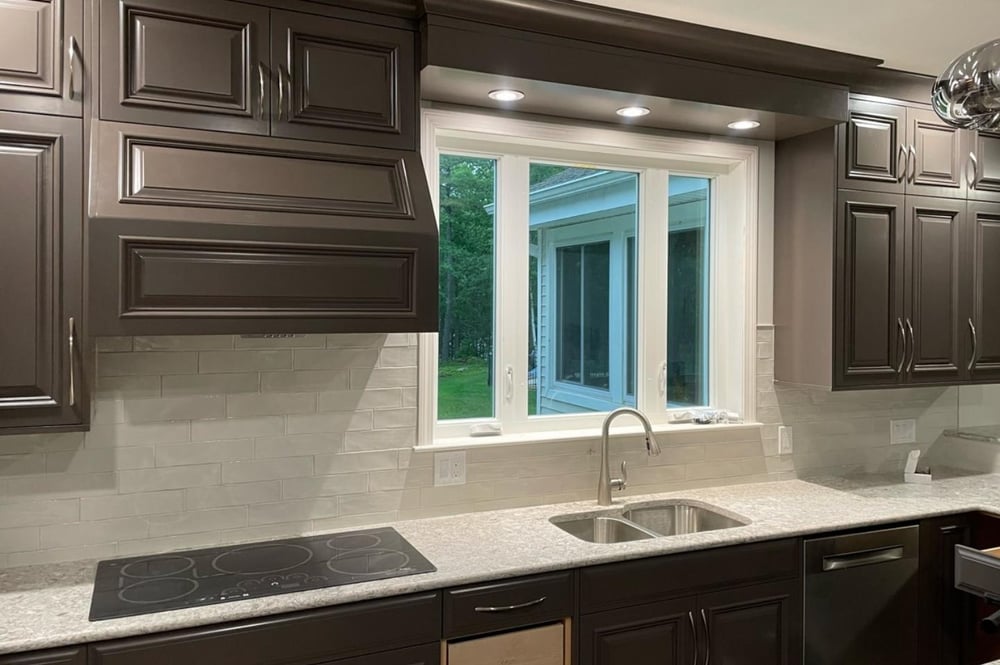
x=643, y=521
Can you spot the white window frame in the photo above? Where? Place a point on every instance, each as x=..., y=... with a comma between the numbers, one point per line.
x=515, y=143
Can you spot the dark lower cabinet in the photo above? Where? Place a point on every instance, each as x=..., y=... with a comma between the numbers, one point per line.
x=755, y=625
x=72, y=656
x=946, y=614
x=428, y=654
x=662, y=633
x=41, y=269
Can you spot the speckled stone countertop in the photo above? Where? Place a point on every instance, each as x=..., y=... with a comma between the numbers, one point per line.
x=47, y=606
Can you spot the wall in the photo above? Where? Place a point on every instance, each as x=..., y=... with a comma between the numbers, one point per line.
x=205, y=440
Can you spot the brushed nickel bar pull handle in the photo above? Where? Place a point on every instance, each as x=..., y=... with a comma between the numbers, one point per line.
x=281, y=92
x=975, y=345
x=913, y=345
x=74, y=59
x=263, y=76
x=855, y=559
x=902, y=337
x=975, y=169
x=72, y=361
x=694, y=639
x=509, y=608
x=913, y=170
x=708, y=638
x=902, y=163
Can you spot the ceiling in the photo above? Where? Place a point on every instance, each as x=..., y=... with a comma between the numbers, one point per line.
x=920, y=36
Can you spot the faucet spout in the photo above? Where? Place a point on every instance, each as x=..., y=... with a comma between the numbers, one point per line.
x=606, y=482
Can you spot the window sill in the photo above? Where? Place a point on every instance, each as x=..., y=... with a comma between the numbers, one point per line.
x=663, y=431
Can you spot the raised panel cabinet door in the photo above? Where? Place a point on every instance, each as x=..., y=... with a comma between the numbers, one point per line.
x=869, y=327
x=935, y=332
x=41, y=272
x=343, y=81
x=938, y=156
x=186, y=63
x=660, y=633
x=755, y=625
x=946, y=614
x=872, y=147
x=985, y=167
x=983, y=321
x=41, y=56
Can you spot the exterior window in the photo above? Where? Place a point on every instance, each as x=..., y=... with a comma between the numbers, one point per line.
x=582, y=271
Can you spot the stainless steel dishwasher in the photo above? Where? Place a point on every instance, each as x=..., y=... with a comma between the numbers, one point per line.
x=861, y=598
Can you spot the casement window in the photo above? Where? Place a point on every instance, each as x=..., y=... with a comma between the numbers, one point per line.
x=584, y=269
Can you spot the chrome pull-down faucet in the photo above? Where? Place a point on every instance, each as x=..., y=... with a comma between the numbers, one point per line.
x=606, y=482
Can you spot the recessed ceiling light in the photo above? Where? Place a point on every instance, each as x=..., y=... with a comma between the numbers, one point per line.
x=744, y=124
x=632, y=111
x=505, y=95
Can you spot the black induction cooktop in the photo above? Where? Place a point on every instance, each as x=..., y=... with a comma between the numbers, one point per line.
x=146, y=584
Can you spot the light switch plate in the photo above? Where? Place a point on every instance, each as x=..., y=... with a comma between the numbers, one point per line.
x=449, y=468
x=903, y=431
x=784, y=440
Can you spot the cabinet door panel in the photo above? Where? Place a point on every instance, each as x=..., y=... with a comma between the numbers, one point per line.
x=870, y=296
x=987, y=150
x=656, y=634
x=343, y=81
x=53, y=657
x=939, y=156
x=935, y=234
x=40, y=271
x=985, y=272
x=756, y=625
x=185, y=63
x=870, y=148
x=34, y=65
x=946, y=616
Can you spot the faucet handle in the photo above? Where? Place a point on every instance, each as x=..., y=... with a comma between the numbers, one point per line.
x=621, y=483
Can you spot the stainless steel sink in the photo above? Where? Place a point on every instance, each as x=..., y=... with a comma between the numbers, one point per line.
x=679, y=518
x=604, y=530
x=645, y=521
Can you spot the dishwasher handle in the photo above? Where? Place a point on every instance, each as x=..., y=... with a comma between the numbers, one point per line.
x=862, y=558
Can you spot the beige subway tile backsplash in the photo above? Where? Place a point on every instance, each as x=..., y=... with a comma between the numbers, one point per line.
x=204, y=440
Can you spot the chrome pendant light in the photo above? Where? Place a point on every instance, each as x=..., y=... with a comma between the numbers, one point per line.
x=967, y=95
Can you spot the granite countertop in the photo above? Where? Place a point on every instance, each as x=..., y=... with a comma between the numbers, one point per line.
x=47, y=606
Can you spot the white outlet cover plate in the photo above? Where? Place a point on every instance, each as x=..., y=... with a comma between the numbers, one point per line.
x=449, y=468
x=903, y=431
x=785, y=445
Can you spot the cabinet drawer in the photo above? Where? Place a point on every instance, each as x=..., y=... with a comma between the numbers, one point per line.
x=978, y=571
x=544, y=645
x=492, y=607
x=293, y=639
x=77, y=656
x=623, y=584
x=428, y=654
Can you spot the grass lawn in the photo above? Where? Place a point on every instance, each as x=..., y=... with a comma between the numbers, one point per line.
x=463, y=391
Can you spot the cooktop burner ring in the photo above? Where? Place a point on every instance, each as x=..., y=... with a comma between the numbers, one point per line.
x=387, y=561
x=350, y=542
x=183, y=586
x=184, y=564
x=300, y=556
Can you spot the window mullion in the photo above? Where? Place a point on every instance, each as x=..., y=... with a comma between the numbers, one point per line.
x=512, y=286
x=651, y=310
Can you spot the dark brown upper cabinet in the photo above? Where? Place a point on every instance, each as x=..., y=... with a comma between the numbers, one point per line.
x=984, y=175
x=41, y=270
x=41, y=56
x=935, y=233
x=342, y=81
x=229, y=66
x=982, y=323
x=891, y=148
x=870, y=277
x=186, y=63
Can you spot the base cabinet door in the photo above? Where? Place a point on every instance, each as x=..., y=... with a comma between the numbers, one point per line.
x=755, y=625
x=983, y=324
x=41, y=273
x=73, y=656
x=41, y=56
x=660, y=633
x=946, y=614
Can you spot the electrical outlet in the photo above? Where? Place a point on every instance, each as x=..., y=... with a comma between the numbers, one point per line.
x=784, y=440
x=449, y=468
x=903, y=431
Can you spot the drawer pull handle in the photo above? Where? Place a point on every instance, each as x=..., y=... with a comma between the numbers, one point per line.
x=855, y=559
x=509, y=608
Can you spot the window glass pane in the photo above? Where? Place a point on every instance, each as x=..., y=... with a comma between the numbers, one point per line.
x=687, y=291
x=582, y=342
x=467, y=221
